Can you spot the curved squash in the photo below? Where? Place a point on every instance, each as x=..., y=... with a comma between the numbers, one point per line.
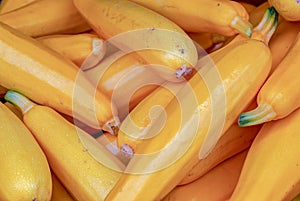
x=215, y=16
x=162, y=172
x=86, y=169
x=25, y=173
x=279, y=96
x=271, y=169
x=126, y=25
x=47, y=78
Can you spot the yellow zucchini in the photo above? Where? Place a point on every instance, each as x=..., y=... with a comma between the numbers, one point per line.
x=46, y=17
x=132, y=133
x=191, y=130
x=215, y=16
x=87, y=169
x=25, y=173
x=279, y=96
x=48, y=78
x=271, y=169
x=126, y=25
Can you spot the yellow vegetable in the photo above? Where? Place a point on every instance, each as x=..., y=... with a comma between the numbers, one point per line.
x=126, y=25
x=133, y=131
x=279, y=96
x=214, y=16
x=190, y=131
x=224, y=147
x=87, y=169
x=49, y=79
x=271, y=169
x=25, y=173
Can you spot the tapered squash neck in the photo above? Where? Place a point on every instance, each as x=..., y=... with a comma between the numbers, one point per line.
x=263, y=113
x=19, y=100
x=267, y=26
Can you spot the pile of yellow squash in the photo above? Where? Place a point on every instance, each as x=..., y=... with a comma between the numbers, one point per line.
x=140, y=100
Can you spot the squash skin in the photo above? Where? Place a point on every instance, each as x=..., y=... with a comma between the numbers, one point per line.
x=115, y=19
x=275, y=151
x=213, y=16
x=279, y=96
x=47, y=78
x=80, y=173
x=25, y=173
x=136, y=186
x=86, y=169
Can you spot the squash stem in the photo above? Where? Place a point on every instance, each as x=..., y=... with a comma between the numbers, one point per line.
x=263, y=113
x=265, y=29
x=99, y=48
x=19, y=100
x=242, y=26
x=127, y=151
x=272, y=30
x=112, y=126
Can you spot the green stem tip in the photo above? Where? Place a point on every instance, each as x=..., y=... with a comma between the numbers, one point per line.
x=19, y=100
x=242, y=26
x=263, y=113
x=268, y=23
